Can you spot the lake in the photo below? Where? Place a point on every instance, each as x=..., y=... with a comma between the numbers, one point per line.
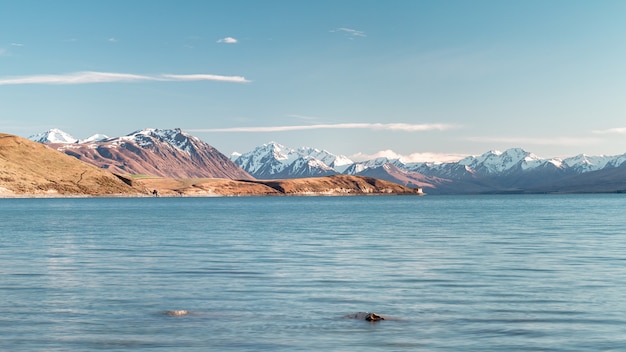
x=449, y=273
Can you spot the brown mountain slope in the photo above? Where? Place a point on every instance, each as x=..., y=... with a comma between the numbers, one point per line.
x=31, y=168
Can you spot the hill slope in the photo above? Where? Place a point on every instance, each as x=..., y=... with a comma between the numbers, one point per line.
x=31, y=168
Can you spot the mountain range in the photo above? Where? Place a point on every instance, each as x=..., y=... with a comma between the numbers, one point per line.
x=512, y=171
x=174, y=153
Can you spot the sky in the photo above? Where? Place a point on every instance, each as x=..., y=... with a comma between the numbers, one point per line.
x=426, y=80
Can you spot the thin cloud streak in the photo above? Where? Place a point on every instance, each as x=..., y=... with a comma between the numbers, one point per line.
x=206, y=77
x=371, y=126
x=411, y=158
x=617, y=130
x=564, y=141
x=302, y=117
x=88, y=77
x=350, y=31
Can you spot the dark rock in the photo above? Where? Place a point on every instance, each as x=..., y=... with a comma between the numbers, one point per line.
x=365, y=316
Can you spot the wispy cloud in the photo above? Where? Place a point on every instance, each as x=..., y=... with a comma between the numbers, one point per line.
x=228, y=40
x=112, y=40
x=204, y=77
x=302, y=117
x=349, y=31
x=109, y=77
x=617, y=130
x=370, y=126
x=17, y=44
x=411, y=158
x=564, y=141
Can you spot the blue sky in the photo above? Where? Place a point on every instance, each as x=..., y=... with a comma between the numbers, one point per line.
x=415, y=77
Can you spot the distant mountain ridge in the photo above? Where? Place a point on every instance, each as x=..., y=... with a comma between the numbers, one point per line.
x=157, y=152
x=274, y=161
x=55, y=135
x=514, y=170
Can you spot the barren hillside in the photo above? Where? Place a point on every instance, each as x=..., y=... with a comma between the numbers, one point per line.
x=31, y=168
x=329, y=185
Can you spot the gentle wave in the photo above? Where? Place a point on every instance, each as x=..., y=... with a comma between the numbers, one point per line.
x=483, y=273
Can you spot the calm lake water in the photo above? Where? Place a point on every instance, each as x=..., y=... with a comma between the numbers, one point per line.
x=467, y=273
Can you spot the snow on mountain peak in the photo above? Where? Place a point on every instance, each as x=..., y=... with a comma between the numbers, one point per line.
x=494, y=161
x=54, y=135
x=587, y=163
x=98, y=137
x=173, y=137
x=272, y=159
x=279, y=151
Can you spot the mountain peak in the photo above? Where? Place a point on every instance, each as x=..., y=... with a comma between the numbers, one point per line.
x=516, y=151
x=98, y=137
x=273, y=160
x=53, y=135
x=173, y=137
x=496, y=162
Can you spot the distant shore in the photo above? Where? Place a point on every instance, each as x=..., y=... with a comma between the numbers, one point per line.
x=339, y=185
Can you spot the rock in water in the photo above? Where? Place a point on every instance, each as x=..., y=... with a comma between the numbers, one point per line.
x=177, y=313
x=373, y=317
x=365, y=316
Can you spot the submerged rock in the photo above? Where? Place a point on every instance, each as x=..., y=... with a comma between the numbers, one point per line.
x=177, y=313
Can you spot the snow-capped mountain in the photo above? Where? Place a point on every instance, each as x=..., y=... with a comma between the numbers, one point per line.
x=360, y=166
x=306, y=166
x=53, y=135
x=336, y=162
x=98, y=137
x=490, y=164
x=585, y=163
x=157, y=152
x=496, y=162
x=273, y=160
x=514, y=170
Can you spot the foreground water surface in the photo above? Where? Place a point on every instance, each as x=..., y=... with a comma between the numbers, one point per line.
x=469, y=273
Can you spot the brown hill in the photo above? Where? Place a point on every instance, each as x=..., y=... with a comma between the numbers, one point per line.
x=31, y=168
x=156, y=152
x=328, y=185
